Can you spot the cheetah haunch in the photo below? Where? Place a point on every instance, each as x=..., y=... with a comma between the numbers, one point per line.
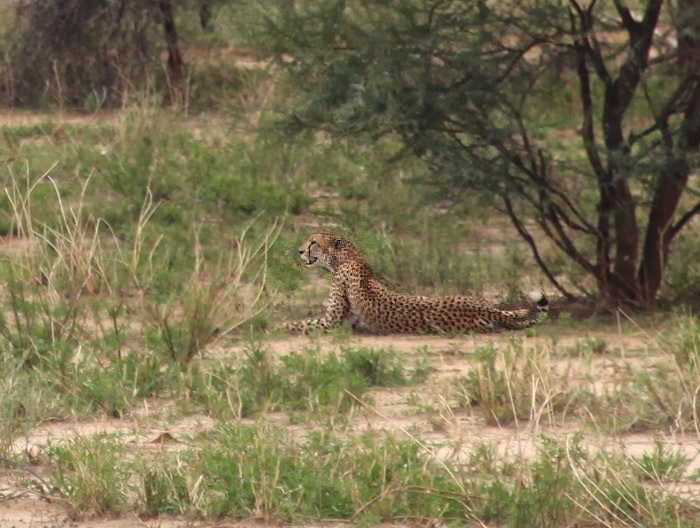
x=357, y=295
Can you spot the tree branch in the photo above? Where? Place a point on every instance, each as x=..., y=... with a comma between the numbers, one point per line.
x=525, y=234
x=619, y=94
x=587, y=127
x=586, y=40
x=538, y=174
x=566, y=244
x=630, y=23
x=687, y=216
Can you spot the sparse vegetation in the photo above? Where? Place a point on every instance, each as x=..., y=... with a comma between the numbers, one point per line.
x=308, y=381
x=148, y=254
x=263, y=471
x=90, y=474
x=516, y=384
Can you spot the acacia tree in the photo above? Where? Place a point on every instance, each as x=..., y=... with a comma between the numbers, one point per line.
x=583, y=118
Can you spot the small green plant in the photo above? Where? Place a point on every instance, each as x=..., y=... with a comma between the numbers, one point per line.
x=164, y=485
x=230, y=390
x=13, y=410
x=661, y=464
x=114, y=386
x=338, y=380
x=312, y=381
x=379, y=368
x=546, y=497
x=91, y=474
x=47, y=284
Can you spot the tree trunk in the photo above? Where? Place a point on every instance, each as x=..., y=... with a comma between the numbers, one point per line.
x=175, y=62
x=616, y=200
x=675, y=175
x=658, y=235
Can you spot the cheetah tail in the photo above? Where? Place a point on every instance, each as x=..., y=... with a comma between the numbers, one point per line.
x=541, y=302
x=529, y=316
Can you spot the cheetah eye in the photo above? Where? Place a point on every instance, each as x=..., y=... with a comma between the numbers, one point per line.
x=311, y=244
x=337, y=242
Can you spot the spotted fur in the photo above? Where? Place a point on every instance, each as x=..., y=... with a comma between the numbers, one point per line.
x=357, y=295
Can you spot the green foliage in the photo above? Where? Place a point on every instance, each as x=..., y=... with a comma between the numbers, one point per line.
x=36, y=330
x=165, y=489
x=661, y=465
x=312, y=381
x=309, y=381
x=117, y=385
x=468, y=89
x=90, y=474
x=546, y=497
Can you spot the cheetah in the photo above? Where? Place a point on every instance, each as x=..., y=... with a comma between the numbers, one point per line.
x=358, y=296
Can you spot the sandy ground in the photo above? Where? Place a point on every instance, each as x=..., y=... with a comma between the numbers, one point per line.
x=450, y=433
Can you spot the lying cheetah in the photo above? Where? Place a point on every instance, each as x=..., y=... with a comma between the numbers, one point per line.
x=357, y=295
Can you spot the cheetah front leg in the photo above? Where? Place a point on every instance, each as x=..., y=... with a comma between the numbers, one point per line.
x=337, y=310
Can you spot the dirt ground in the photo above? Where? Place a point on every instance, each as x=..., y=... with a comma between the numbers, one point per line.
x=451, y=431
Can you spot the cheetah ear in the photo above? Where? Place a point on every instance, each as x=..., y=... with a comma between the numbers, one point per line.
x=337, y=242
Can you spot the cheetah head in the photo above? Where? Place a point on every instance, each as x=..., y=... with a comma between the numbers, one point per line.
x=327, y=250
